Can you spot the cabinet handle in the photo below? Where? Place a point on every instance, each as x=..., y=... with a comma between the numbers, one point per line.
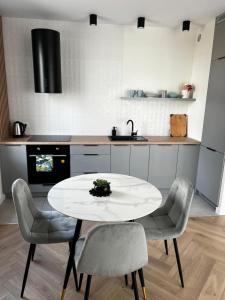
x=220, y=58
x=211, y=149
x=90, y=172
x=91, y=145
x=117, y=145
x=92, y=154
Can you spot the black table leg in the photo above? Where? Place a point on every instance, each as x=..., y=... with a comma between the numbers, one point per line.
x=71, y=256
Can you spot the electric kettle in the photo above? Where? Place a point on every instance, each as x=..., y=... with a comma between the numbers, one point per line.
x=19, y=129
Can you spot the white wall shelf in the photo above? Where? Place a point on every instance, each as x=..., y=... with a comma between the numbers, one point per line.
x=158, y=98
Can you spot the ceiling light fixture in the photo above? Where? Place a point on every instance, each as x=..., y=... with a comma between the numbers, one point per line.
x=93, y=19
x=186, y=25
x=141, y=23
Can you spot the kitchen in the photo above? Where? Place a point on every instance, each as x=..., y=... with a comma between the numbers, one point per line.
x=101, y=66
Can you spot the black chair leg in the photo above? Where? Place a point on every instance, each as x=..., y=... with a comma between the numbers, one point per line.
x=178, y=262
x=88, y=285
x=142, y=280
x=134, y=282
x=166, y=246
x=126, y=279
x=74, y=272
x=31, y=251
x=80, y=281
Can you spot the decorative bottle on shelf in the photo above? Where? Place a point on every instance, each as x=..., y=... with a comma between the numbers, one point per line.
x=114, y=131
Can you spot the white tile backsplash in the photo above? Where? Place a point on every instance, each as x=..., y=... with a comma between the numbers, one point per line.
x=93, y=80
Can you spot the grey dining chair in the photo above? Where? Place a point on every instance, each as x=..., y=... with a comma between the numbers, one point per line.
x=170, y=221
x=39, y=227
x=112, y=250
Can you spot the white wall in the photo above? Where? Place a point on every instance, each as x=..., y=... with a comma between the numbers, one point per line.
x=200, y=77
x=98, y=65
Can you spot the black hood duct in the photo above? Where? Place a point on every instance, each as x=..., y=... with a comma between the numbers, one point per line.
x=46, y=61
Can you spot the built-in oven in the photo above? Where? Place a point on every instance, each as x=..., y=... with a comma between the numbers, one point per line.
x=48, y=164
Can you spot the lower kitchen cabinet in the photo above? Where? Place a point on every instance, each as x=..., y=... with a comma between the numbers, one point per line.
x=86, y=159
x=89, y=163
x=139, y=160
x=162, y=166
x=187, y=162
x=120, y=159
x=210, y=170
x=13, y=165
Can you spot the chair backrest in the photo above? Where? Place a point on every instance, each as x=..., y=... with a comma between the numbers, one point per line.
x=113, y=249
x=178, y=203
x=25, y=207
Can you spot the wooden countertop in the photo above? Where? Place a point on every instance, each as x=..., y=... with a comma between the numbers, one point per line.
x=103, y=140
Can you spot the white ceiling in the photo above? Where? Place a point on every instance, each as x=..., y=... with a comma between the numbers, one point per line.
x=161, y=12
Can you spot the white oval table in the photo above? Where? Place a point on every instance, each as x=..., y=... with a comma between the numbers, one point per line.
x=131, y=198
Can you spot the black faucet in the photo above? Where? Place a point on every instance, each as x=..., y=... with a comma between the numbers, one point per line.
x=132, y=129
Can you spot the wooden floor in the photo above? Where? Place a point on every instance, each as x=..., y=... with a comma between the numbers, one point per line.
x=202, y=250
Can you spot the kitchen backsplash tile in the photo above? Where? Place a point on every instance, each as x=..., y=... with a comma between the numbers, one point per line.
x=92, y=76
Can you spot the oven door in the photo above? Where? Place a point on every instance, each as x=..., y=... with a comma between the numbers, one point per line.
x=47, y=167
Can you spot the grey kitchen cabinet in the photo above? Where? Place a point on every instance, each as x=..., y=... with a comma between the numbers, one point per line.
x=162, y=166
x=139, y=161
x=219, y=41
x=13, y=165
x=90, y=163
x=214, y=121
x=120, y=159
x=86, y=159
x=90, y=149
x=210, y=170
x=187, y=162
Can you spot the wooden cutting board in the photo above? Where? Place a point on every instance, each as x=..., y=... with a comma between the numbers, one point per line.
x=178, y=125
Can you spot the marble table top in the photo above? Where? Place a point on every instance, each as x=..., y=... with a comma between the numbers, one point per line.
x=131, y=198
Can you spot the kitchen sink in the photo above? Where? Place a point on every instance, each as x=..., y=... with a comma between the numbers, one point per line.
x=135, y=138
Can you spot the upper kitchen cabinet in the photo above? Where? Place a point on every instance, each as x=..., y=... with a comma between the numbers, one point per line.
x=139, y=160
x=219, y=41
x=187, y=162
x=162, y=166
x=214, y=122
x=13, y=165
x=120, y=159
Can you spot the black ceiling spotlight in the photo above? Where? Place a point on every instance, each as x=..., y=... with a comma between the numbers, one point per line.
x=141, y=23
x=93, y=19
x=186, y=25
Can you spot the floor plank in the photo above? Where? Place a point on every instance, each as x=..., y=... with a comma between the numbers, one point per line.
x=202, y=251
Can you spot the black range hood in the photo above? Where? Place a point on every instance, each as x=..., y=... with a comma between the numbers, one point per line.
x=46, y=60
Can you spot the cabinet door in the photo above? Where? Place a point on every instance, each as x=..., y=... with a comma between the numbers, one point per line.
x=219, y=41
x=120, y=159
x=187, y=163
x=90, y=163
x=13, y=165
x=162, y=167
x=214, y=122
x=139, y=160
x=209, y=176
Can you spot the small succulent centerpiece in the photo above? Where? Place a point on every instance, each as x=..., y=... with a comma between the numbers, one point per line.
x=101, y=188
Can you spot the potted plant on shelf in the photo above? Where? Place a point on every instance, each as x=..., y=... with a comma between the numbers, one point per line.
x=187, y=91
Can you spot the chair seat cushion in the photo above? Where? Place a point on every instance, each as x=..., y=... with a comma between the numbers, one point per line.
x=159, y=227
x=52, y=227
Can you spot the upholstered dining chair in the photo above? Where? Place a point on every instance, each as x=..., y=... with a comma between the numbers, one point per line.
x=112, y=250
x=169, y=221
x=39, y=227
